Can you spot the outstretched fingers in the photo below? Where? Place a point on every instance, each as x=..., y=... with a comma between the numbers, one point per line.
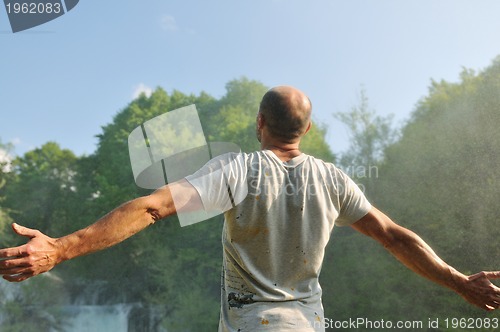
x=10, y=253
x=485, y=276
x=491, y=275
x=12, y=259
x=22, y=262
x=19, y=268
x=483, y=292
x=14, y=265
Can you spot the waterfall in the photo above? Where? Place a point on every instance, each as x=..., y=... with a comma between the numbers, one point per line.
x=39, y=305
x=110, y=318
x=97, y=318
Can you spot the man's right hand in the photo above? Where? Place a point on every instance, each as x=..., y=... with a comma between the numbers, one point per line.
x=40, y=254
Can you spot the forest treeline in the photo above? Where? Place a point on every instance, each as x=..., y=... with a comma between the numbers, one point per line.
x=439, y=177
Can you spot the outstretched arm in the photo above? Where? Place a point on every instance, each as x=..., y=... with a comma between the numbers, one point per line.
x=41, y=253
x=413, y=252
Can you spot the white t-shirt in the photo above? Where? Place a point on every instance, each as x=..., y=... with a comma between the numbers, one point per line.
x=278, y=221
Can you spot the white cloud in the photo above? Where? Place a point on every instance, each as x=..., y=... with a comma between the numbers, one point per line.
x=142, y=88
x=16, y=141
x=168, y=23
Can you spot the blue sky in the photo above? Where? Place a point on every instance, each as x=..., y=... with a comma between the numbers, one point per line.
x=63, y=80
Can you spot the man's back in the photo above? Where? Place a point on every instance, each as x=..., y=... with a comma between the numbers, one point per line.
x=274, y=238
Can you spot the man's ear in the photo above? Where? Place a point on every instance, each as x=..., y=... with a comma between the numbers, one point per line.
x=260, y=120
x=308, y=127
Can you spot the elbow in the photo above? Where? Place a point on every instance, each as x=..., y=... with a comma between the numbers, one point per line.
x=155, y=207
x=154, y=215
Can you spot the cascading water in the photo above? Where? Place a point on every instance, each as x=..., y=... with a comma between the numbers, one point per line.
x=97, y=318
x=21, y=307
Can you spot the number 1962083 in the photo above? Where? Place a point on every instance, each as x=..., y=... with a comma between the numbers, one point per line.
x=33, y=8
x=472, y=323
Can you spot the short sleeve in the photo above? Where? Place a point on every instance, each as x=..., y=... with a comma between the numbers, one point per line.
x=353, y=203
x=221, y=183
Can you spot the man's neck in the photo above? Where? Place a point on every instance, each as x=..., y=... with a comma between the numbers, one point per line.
x=285, y=152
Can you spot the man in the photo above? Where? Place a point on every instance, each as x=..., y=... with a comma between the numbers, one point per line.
x=280, y=207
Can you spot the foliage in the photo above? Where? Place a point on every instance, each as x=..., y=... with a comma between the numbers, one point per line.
x=441, y=180
x=32, y=306
x=42, y=179
x=171, y=269
x=234, y=120
x=446, y=162
x=370, y=134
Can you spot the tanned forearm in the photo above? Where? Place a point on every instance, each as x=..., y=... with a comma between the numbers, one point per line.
x=41, y=253
x=413, y=252
x=115, y=227
x=418, y=256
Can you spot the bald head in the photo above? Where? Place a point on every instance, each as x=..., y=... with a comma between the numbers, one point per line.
x=286, y=112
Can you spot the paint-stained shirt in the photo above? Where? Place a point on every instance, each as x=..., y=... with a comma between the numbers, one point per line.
x=278, y=220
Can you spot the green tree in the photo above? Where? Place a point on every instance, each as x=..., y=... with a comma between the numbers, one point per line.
x=37, y=184
x=32, y=306
x=369, y=134
x=166, y=263
x=151, y=267
x=235, y=118
x=439, y=179
x=172, y=270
